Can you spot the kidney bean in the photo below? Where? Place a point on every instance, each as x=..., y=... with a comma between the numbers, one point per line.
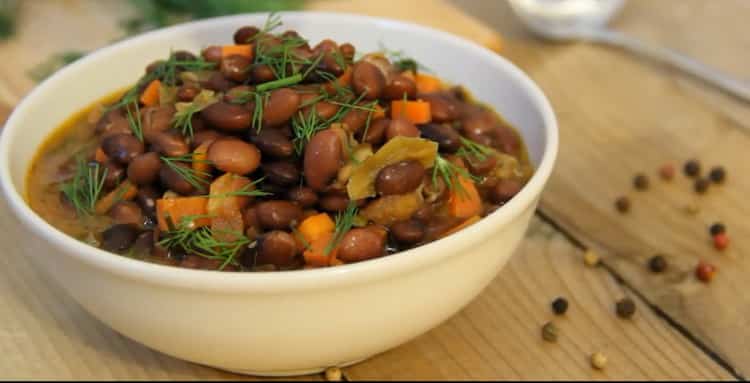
x=234, y=95
x=174, y=181
x=244, y=34
x=187, y=92
x=277, y=214
x=236, y=68
x=399, y=178
x=250, y=219
x=144, y=242
x=170, y=143
x=122, y=147
x=112, y=122
x=154, y=65
x=212, y=54
x=333, y=202
x=217, y=82
x=208, y=135
x=115, y=174
x=281, y=106
x=368, y=79
x=281, y=173
x=376, y=131
x=323, y=157
x=401, y=127
x=506, y=140
x=183, y=56
x=323, y=109
x=424, y=213
x=261, y=73
x=355, y=119
x=304, y=196
x=447, y=138
x=399, y=86
x=408, y=232
x=234, y=156
x=505, y=190
x=437, y=227
x=276, y=247
x=360, y=244
x=144, y=169
x=347, y=50
x=478, y=123
x=127, y=212
x=226, y=116
x=442, y=107
x=146, y=199
x=273, y=143
x=119, y=237
x=325, y=46
x=330, y=64
x=156, y=119
x=482, y=166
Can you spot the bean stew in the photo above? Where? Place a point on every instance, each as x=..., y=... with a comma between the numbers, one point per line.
x=271, y=154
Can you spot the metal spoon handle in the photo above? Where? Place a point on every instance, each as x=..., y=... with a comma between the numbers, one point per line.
x=678, y=60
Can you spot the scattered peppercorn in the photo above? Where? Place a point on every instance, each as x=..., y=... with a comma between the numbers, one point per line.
x=657, y=263
x=625, y=308
x=717, y=175
x=598, y=360
x=721, y=241
x=560, y=306
x=666, y=172
x=692, y=168
x=591, y=258
x=641, y=182
x=333, y=374
x=622, y=204
x=701, y=185
x=717, y=228
x=550, y=332
x=705, y=272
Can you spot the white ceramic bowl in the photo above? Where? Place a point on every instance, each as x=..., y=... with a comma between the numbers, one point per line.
x=293, y=322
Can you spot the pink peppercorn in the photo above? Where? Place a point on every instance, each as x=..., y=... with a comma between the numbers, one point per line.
x=667, y=171
x=721, y=241
x=705, y=272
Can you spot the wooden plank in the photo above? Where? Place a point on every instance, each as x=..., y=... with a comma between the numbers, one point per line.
x=620, y=115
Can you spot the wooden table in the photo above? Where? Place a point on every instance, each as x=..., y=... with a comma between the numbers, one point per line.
x=619, y=115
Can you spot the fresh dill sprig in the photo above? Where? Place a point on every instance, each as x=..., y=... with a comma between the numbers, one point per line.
x=450, y=173
x=280, y=83
x=196, y=178
x=204, y=241
x=248, y=190
x=304, y=128
x=183, y=119
x=401, y=60
x=344, y=223
x=273, y=21
x=84, y=189
x=134, y=121
x=472, y=150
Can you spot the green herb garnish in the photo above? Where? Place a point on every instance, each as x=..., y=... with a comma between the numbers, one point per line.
x=203, y=241
x=84, y=189
x=196, y=178
x=246, y=191
x=472, y=150
x=344, y=223
x=46, y=68
x=450, y=173
x=134, y=121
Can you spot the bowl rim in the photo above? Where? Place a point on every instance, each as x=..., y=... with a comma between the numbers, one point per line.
x=293, y=280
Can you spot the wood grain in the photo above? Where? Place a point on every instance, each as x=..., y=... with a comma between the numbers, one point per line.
x=620, y=115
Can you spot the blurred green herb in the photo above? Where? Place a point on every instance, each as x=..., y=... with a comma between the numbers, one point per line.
x=8, y=12
x=53, y=64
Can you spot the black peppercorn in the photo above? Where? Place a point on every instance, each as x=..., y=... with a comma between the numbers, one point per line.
x=657, y=263
x=717, y=228
x=641, y=182
x=701, y=185
x=717, y=175
x=622, y=204
x=625, y=308
x=692, y=168
x=560, y=306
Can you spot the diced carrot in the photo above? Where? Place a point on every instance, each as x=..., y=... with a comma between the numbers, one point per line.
x=416, y=112
x=150, y=95
x=464, y=202
x=427, y=83
x=124, y=192
x=470, y=221
x=245, y=50
x=99, y=156
x=226, y=210
x=200, y=158
x=177, y=208
x=343, y=81
x=379, y=112
x=315, y=255
x=316, y=226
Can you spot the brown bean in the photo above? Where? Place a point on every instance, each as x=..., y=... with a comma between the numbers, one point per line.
x=447, y=138
x=424, y=213
x=438, y=226
x=112, y=122
x=150, y=68
x=323, y=158
x=399, y=86
x=144, y=169
x=276, y=247
x=236, y=68
x=277, y=214
x=323, y=109
x=212, y=54
x=122, y=148
x=355, y=119
x=347, y=50
x=376, y=131
x=506, y=140
x=505, y=190
x=115, y=174
x=261, y=73
x=156, y=119
x=234, y=156
x=361, y=244
x=172, y=180
x=187, y=92
x=127, y=212
x=479, y=166
x=281, y=173
x=217, y=82
x=281, y=106
x=250, y=219
x=401, y=127
x=170, y=144
x=146, y=199
x=184, y=56
x=238, y=94
x=330, y=64
x=399, y=178
x=226, y=116
x=368, y=79
x=245, y=34
x=326, y=45
x=304, y=196
x=408, y=232
x=333, y=202
x=273, y=143
x=208, y=135
x=119, y=237
x=442, y=107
